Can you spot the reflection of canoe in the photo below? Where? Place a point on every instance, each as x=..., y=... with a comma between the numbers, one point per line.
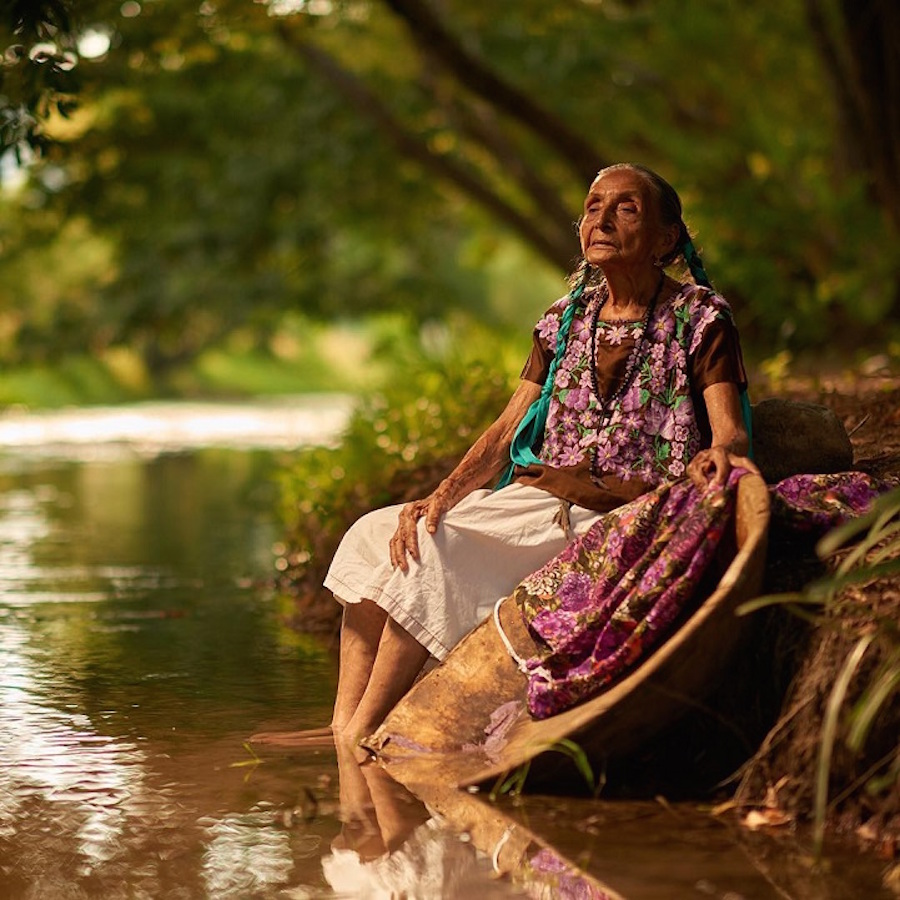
x=449, y=712
x=433, y=836
x=515, y=850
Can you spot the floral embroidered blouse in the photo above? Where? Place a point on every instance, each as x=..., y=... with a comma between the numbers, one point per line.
x=602, y=455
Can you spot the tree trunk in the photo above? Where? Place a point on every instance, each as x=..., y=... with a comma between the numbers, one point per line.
x=433, y=37
x=859, y=41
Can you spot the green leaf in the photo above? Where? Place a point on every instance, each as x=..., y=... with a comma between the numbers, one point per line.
x=883, y=509
x=827, y=587
x=829, y=733
x=794, y=597
x=871, y=702
x=575, y=752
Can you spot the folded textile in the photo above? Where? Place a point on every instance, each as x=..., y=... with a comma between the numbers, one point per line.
x=613, y=595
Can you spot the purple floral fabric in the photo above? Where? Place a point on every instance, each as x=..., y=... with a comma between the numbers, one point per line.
x=612, y=596
x=652, y=432
x=816, y=503
x=564, y=880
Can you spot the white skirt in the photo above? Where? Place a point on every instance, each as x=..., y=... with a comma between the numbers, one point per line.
x=482, y=549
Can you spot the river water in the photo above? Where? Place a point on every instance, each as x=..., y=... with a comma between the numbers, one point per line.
x=141, y=644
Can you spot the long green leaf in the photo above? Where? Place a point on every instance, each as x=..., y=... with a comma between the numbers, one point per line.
x=880, y=532
x=871, y=702
x=888, y=551
x=888, y=503
x=579, y=757
x=827, y=587
x=774, y=600
x=829, y=731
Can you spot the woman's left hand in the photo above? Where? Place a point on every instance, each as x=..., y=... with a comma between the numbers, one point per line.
x=713, y=466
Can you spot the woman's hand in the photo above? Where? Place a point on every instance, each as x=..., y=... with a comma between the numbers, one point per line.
x=406, y=537
x=483, y=461
x=714, y=465
x=729, y=438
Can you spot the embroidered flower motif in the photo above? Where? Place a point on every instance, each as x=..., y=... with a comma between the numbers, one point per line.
x=571, y=456
x=631, y=400
x=652, y=430
x=661, y=328
x=561, y=379
x=675, y=355
x=606, y=455
x=547, y=329
x=707, y=314
x=581, y=329
x=658, y=419
x=578, y=398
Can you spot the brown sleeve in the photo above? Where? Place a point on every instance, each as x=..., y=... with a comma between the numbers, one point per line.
x=538, y=363
x=718, y=358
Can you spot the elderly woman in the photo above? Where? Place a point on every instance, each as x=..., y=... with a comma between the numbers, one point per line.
x=642, y=378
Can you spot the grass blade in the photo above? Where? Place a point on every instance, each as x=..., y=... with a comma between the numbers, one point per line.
x=871, y=702
x=579, y=757
x=883, y=509
x=829, y=732
x=833, y=584
x=756, y=603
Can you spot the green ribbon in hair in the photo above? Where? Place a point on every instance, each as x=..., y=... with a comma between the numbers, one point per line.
x=530, y=432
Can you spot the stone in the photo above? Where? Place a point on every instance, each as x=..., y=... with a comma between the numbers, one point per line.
x=792, y=438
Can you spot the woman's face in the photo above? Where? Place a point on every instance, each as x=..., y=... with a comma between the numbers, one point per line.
x=621, y=226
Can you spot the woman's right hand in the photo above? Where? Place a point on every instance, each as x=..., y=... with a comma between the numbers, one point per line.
x=406, y=537
x=483, y=461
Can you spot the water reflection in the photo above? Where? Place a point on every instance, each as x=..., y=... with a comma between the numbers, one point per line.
x=52, y=756
x=393, y=844
x=135, y=649
x=246, y=853
x=140, y=647
x=63, y=781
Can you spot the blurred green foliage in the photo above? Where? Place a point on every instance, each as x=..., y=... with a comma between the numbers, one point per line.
x=862, y=551
x=229, y=163
x=402, y=438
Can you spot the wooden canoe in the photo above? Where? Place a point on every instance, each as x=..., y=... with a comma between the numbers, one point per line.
x=439, y=727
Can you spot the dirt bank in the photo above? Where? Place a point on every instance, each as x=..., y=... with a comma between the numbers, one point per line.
x=863, y=791
x=786, y=680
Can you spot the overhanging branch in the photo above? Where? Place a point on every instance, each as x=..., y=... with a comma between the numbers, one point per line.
x=469, y=70
x=366, y=102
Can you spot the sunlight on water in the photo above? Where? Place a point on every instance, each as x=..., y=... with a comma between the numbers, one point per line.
x=150, y=428
x=111, y=650
x=141, y=644
x=54, y=758
x=245, y=854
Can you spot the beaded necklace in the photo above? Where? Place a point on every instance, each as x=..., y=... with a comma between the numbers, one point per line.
x=605, y=404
